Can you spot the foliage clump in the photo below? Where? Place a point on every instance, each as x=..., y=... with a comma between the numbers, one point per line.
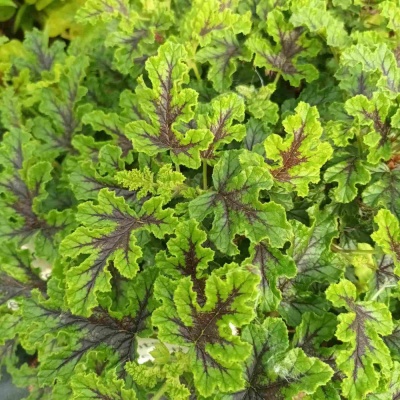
x=201, y=200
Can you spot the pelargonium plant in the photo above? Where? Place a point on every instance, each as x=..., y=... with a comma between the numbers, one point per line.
x=201, y=200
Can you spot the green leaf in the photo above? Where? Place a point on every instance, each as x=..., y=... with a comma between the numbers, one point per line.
x=214, y=353
x=147, y=376
x=7, y=12
x=23, y=185
x=356, y=80
x=394, y=386
x=383, y=279
x=274, y=371
x=258, y=102
x=263, y=7
x=322, y=93
x=207, y=19
x=341, y=129
x=392, y=341
x=78, y=336
x=110, y=233
x=315, y=262
x=256, y=133
x=375, y=58
x=384, y=189
x=113, y=125
x=291, y=52
x=200, y=199
x=223, y=54
x=168, y=108
x=360, y=329
x=372, y=115
x=88, y=385
x=9, y=326
x=189, y=258
x=219, y=119
x=301, y=154
x=329, y=391
x=39, y=57
x=60, y=107
x=17, y=275
x=296, y=302
x=270, y=264
x=235, y=205
x=348, y=172
x=304, y=373
x=138, y=37
x=313, y=331
x=388, y=236
x=314, y=15
x=87, y=178
x=104, y=10
x=167, y=183
x=166, y=368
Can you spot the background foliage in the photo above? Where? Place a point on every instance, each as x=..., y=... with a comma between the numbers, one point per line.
x=200, y=199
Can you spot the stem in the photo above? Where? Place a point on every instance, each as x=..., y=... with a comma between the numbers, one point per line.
x=177, y=167
x=338, y=249
x=359, y=142
x=275, y=81
x=192, y=62
x=277, y=77
x=160, y=392
x=384, y=287
x=205, y=184
x=335, y=54
x=195, y=70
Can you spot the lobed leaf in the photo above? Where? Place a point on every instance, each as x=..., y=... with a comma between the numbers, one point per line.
x=214, y=353
x=388, y=235
x=287, y=56
x=168, y=107
x=300, y=155
x=114, y=238
x=360, y=329
x=236, y=207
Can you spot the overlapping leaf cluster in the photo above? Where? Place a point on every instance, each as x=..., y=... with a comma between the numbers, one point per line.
x=201, y=200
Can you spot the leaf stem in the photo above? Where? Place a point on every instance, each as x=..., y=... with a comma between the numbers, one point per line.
x=384, y=287
x=275, y=81
x=177, y=167
x=339, y=249
x=160, y=392
x=359, y=142
x=192, y=62
x=195, y=70
x=205, y=184
x=277, y=77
